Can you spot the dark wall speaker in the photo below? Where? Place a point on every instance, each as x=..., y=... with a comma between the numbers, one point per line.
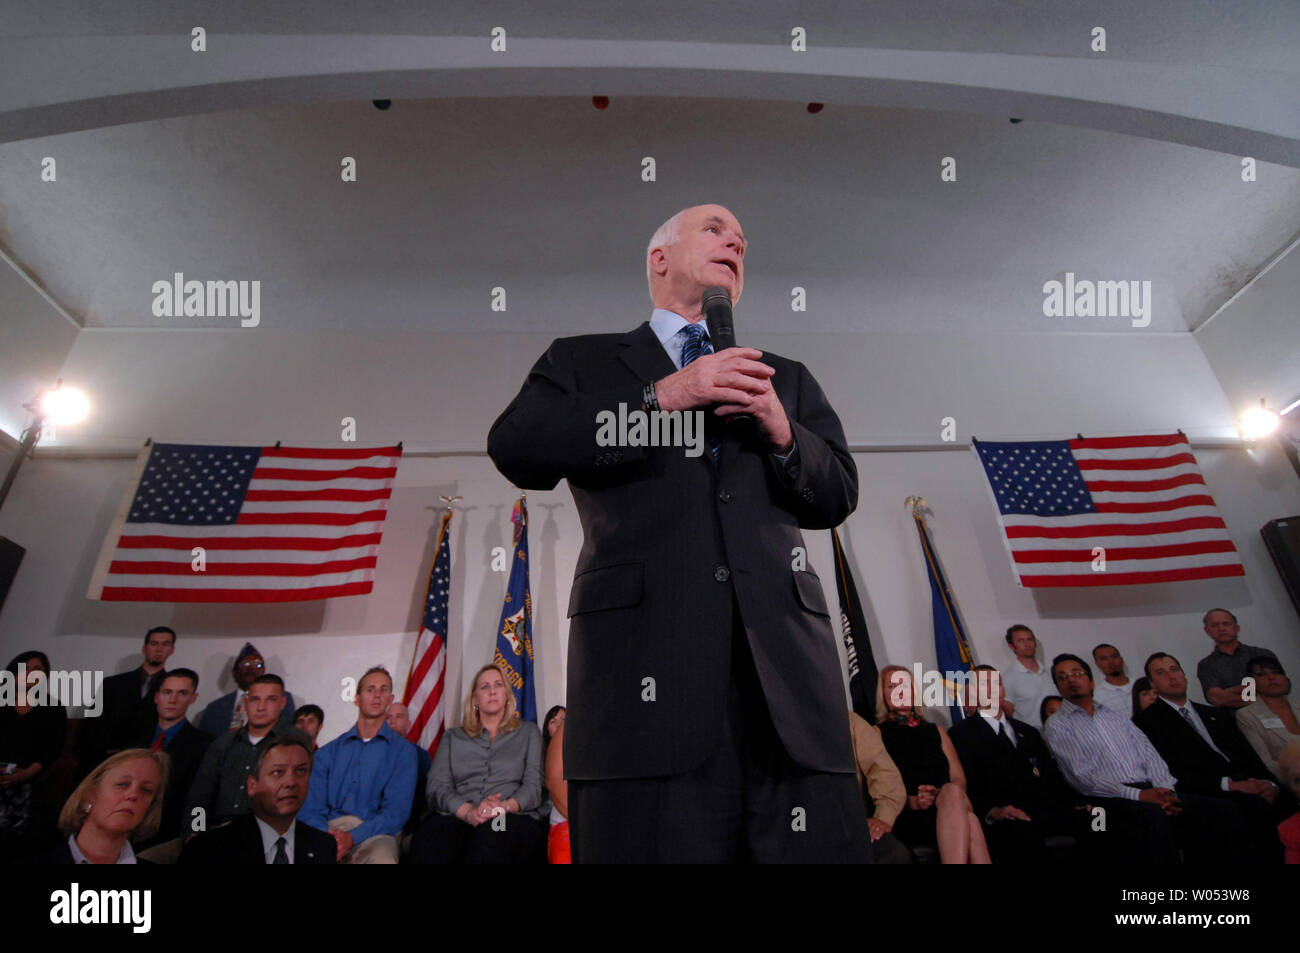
x=1282, y=537
x=11, y=554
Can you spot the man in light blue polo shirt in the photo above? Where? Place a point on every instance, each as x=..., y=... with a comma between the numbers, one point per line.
x=363, y=781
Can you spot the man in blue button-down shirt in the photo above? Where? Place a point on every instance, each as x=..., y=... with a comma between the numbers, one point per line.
x=363, y=781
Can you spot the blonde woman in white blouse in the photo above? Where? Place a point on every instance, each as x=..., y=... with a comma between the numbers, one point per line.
x=1272, y=721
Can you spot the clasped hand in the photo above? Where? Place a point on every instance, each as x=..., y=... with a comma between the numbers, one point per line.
x=738, y=383
x=488, y=808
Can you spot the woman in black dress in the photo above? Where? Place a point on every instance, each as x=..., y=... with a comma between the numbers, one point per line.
x=31, y=738
x=938, y=813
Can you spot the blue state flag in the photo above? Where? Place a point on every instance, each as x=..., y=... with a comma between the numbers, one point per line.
x=514, y=652
x=951, y=648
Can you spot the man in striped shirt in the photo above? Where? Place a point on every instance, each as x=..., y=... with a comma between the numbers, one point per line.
x=1109, y=760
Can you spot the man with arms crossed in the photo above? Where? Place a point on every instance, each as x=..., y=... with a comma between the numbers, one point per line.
x=706, y=704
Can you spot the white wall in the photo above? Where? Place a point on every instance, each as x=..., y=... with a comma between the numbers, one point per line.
x=34, y=340
x=443, y=391
x=1254, y=342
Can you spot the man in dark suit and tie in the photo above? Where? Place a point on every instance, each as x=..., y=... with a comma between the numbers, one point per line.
x=1013, y=782
x=271, y=834
x=706, y=705
x=185, y=746
x=128, y=706
x=1208, y=755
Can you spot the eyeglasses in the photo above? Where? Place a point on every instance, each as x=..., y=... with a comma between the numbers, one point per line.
x=1073, y=673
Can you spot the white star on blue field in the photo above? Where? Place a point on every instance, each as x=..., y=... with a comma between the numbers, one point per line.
x=1036, y=479
x=193, y=485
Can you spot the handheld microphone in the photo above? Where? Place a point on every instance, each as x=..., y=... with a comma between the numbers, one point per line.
x=716, y=305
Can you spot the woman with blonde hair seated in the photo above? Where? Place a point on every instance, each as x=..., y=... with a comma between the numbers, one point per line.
x=119, y=801
x=485, y=784
x=938, y=813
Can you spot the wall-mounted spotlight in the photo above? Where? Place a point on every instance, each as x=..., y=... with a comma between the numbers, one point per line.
x=56, y=405
x=1258, y=422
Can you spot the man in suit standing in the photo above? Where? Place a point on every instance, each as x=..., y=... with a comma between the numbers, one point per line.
x=1014, y=784
x=230, y=711
x=185, y=745
x=1208, y=755
x=271, y=834
x=705, y=699
x=128, y=706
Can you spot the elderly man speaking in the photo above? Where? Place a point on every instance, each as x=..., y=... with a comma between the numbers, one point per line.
x=706, y=709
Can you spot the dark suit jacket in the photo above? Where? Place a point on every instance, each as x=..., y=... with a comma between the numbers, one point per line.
x=1198, y=767
x=186, y=752
x=670, y=543
x=996, y=777
x=216, y=717
x=125, y=716
x=239, y=843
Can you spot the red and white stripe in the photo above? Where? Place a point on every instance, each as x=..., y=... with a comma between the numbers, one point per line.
x=309, y=528
x=1155, y=520
x=425, y=688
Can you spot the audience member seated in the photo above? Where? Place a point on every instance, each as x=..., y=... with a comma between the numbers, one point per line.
x=1115, y=688
x=1288, y=766
x=882, y=789
x=185, y=746
x=1026, y=682
x=1012, y=780
x=557, y=838
x=938, y=813
x=309, y=719
x=1050, y=706
x=1106, y=758
x=117, y=802
x=220, y=789
x=271, y=833
x=1144, y=695
x=1223, y=671
x=363, y=781
x=127, y=706
x=230, y=712
x=31, y=738
x=399, y=719
x=1272, y=720
x=485, y=784
x=1208, y=755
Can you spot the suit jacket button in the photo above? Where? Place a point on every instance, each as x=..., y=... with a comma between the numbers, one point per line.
x=807, y=494
x=725, y=496
x=722, y=574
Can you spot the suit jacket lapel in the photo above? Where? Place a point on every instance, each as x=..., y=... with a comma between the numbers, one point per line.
x=252, y=838
x=646, y=358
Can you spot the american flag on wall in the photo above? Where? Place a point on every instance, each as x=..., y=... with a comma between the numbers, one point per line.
x=425, y=682
x=274, y=524
x=1106, y=511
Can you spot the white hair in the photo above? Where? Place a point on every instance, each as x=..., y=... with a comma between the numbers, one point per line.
x=669, y=233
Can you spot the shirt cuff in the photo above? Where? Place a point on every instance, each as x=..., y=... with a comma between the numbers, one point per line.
x=784, y=458
x=1223, y=784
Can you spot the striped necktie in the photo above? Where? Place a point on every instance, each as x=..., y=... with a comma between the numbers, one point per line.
x=695, y=344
